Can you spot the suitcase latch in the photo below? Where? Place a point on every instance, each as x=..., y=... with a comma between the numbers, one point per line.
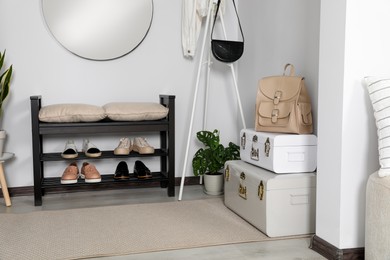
x=267, y=147
x=242, y=191
x=260, y=190
x=242, y=188
x=243, y=141
x=254, y=153
x=227, y=173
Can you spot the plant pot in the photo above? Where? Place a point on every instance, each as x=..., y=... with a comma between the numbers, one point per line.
x=3, y=135
x=213, y=184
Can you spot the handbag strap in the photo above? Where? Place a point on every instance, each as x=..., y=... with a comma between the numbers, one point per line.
x=238, y=18
x=292, y=69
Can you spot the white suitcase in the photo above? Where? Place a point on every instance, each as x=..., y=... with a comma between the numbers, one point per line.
x=277, y=152
x=276, y=204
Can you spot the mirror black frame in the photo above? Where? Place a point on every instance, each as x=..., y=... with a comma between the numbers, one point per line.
x=74, y=24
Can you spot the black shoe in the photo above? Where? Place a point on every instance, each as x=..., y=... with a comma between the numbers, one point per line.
x=141, y=171
x=122, y=171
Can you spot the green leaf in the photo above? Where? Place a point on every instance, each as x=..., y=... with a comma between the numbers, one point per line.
x=213, y=156
x=5, y=83
x=5, y=79
x=209, y=139
x=2, y=59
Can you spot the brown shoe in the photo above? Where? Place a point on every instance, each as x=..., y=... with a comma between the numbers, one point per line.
x=89, y=173
x=71, y=174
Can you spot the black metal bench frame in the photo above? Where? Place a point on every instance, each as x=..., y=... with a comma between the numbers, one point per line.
x=165, y=127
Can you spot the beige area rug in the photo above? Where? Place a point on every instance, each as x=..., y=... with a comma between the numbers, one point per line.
x=121, y=230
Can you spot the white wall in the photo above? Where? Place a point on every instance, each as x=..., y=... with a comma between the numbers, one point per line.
x=276, y=33
x=43, y=67
x=330, y=123
x=352, y=46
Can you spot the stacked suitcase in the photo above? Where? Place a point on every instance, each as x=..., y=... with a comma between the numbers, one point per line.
x=273, y=186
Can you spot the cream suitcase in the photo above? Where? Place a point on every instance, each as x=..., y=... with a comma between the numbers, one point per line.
x=276, y=204
x=277, y=152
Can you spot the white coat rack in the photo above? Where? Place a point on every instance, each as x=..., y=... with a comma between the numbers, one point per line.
x=207, y=31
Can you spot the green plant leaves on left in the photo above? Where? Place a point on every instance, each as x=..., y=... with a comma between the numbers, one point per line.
x=5, y=79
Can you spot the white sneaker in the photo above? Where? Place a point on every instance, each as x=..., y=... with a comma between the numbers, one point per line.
x=90, y=149
x=70, y=150
x=124, y=147
x=141, y=146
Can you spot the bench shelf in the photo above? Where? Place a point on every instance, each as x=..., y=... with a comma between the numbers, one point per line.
x=165, y=127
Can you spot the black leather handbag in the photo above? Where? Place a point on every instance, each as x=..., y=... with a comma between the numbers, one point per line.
x=225, y=50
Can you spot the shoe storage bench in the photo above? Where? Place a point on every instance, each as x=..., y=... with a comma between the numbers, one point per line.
x=165, y=127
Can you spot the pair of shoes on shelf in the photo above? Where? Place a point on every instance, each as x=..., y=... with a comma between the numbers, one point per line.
x=90, y=150
x=88, y=172
x=139, y=144
x=140, y=171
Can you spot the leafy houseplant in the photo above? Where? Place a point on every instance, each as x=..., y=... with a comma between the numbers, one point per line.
x=212, y=158
x=5, y=79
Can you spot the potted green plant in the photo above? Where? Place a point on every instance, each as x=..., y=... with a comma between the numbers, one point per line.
x=5, y=79
x=210, y=160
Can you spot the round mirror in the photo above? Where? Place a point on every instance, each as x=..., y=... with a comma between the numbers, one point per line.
x=98, y=29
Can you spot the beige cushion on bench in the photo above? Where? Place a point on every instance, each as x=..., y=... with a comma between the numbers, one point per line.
x=71, y=113
x=116, y=111
x=135, y=111
x=377, y=218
